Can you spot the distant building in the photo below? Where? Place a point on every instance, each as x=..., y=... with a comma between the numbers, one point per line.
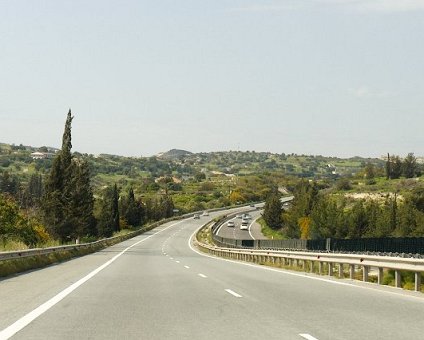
x=42, y=155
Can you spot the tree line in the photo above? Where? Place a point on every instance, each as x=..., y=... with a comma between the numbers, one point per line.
x=315, y=214
x=63, y=206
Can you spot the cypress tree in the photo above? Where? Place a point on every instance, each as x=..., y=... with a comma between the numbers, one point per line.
x=68, y=199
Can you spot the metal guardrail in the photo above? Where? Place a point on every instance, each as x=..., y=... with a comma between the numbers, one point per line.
x=307, y=261
x=12, y=255
x=300, y=255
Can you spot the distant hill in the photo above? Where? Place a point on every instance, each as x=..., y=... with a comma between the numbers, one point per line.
x=174, y=154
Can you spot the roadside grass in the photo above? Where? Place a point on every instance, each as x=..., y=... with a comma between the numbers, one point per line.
x=270, y=233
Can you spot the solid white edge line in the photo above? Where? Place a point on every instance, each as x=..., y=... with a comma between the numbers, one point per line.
x=308, y=337
x=304, y=275
x=233, y=293
x=31, y=316
x=250, y=225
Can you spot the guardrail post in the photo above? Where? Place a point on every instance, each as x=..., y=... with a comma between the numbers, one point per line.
x=320, y=267
x=330, y=269
x=380, y=276
x=340, y=270
x=397, y=278
x=417, y=281
x=365, y=271
x=352, y=271
x=311, y=266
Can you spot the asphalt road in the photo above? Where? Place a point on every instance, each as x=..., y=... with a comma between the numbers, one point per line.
x=156, y=286
x=253, y=232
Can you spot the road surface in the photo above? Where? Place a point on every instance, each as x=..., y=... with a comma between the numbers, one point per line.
x=156, y=286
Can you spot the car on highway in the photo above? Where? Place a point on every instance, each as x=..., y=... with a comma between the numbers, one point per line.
x=231, y=224
x=244, y=225
x=196, y=216
x=247, y=217
x=239, y=216
x=205, y=213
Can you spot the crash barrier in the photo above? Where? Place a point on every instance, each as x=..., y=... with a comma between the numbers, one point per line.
x=388, y=245
x=95, y=246
x=342, y=265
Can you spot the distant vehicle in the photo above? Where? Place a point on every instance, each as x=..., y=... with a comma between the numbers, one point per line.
x=205, y=213
x=244, y=225
x=252, y=205
x=231, y=224
x=196, y=216
x=239, y=216
x=247, y=217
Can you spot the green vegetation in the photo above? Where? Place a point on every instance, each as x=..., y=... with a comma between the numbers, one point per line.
x=269, y=232
x=65, y=196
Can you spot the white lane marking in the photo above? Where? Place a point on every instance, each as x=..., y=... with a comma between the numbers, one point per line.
x=233, y=293
x=304, y=275
x=250, y=225
x=187, y=267
x=177, y=261
x=202, y=275
x=171, y=258
x=308, y=337
x=18, y=325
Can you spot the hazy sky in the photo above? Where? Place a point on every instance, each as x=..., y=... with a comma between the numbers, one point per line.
x=331, y=77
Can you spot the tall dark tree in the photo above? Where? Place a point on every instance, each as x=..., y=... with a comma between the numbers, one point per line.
x=272, y=210
x=68, y=200
x=82, y=202
x=115, y=208
x=109, y=213
x=131, y=209
x=409, y=166
x=388, y=167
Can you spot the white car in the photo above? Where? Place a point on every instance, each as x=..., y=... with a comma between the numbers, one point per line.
x=196, y=216
x=205, y=213
x=244, y=225
x=231, y=224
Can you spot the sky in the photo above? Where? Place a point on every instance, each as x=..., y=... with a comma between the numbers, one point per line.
x=319, y=77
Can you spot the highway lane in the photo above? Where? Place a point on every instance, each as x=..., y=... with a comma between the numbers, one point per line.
x=160, y=288
x=253, y=233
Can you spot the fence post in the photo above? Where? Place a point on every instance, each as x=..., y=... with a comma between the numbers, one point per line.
x=397, y=278
x=365, y=270
x=417, y=281
x=341, y=270
x=380, y=276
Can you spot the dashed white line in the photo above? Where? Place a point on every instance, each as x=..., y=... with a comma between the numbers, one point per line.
x=202, y=275
x=233, y=293
x=171, y=258
x=177, y=261
x=187, y=267
x=308, y=337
